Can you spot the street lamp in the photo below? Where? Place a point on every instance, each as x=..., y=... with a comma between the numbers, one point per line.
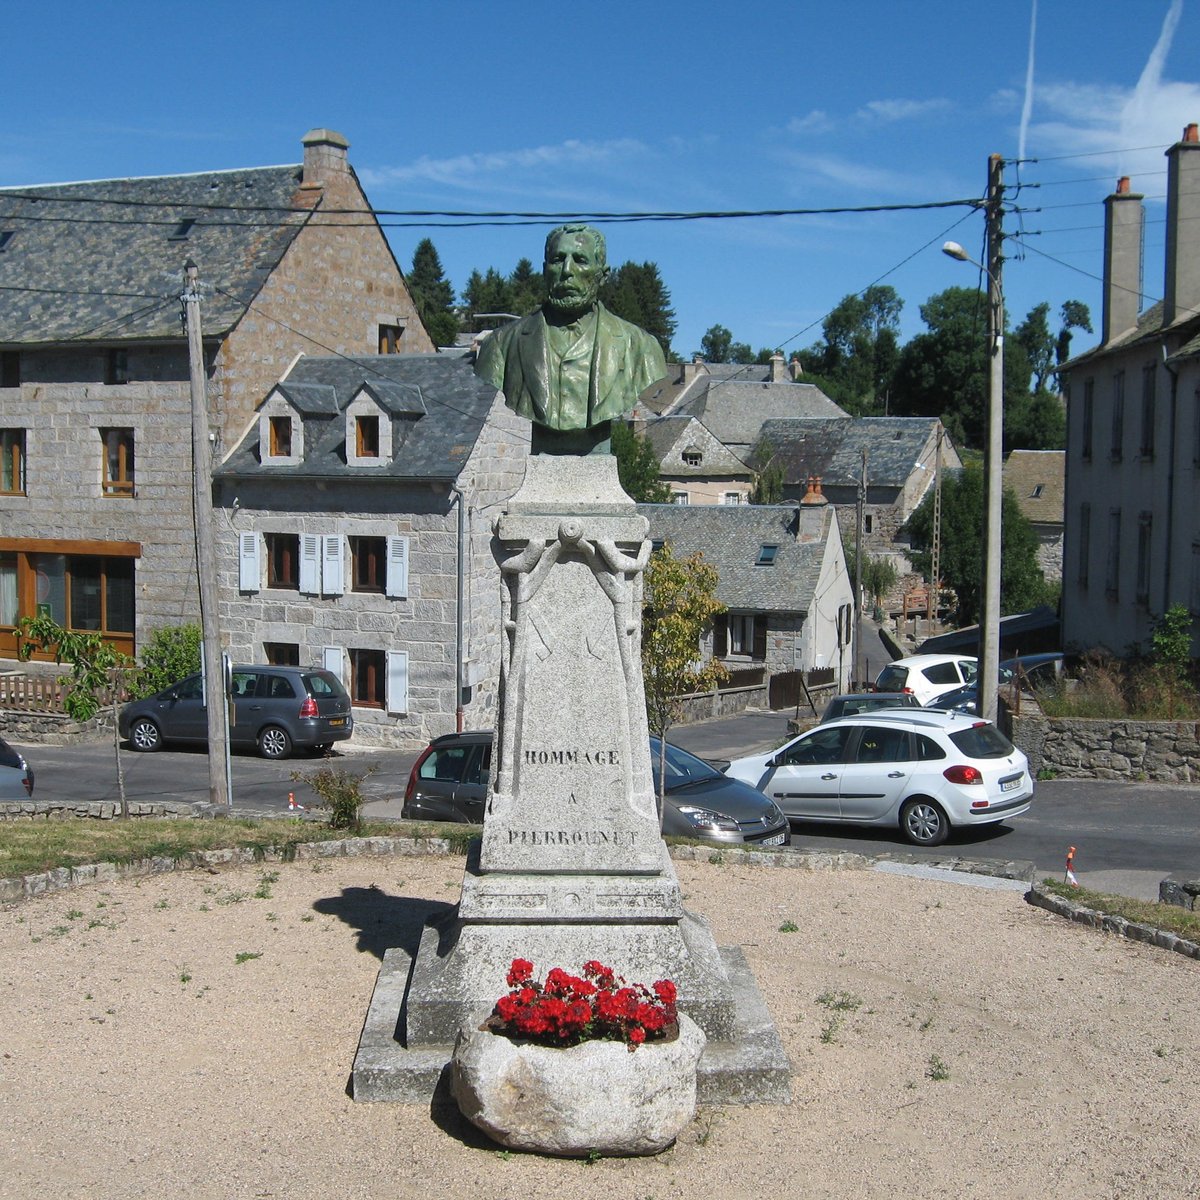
x=989, y=615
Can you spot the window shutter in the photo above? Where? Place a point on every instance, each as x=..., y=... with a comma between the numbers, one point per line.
x=310, y=563
x=760, y=637
x=249, y=564
x=397, y=567
x=334, y=661
x=397, y=681
x=721, y=635
x=332, y=558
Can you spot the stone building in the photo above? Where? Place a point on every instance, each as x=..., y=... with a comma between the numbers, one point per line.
x=782, y=576
x=1035, y=478
x=1132, y=534
x=695, y=465
x=95, y=424
x=340, y=538
x=901, y=466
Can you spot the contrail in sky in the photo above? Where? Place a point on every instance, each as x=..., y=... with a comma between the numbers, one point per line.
x=1027, y=107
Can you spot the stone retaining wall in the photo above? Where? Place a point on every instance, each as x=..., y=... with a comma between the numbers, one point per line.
x=1092, y=748
x=51, y=728
x=100, y=810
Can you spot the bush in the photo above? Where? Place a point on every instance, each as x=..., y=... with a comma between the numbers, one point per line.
x=1111, y=688
x=340, y=791
x=172, y=653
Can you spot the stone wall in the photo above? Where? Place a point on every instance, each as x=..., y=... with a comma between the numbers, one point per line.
x=1079, y=748
x=52, y=728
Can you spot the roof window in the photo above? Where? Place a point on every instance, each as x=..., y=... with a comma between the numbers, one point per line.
x=766, y=555
x=6, y=236
x=1037, y=492
x=182, y=229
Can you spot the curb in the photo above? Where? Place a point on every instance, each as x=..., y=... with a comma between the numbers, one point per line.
x=1121, y=926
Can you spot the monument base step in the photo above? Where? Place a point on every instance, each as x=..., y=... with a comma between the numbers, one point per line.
x=750, y=1068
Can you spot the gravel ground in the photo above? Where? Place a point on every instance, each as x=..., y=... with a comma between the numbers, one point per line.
x=947, y=1041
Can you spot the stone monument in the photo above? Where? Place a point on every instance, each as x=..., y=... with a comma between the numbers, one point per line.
x=571, y=865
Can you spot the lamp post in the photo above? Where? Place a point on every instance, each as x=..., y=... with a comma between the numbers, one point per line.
x=989, y=615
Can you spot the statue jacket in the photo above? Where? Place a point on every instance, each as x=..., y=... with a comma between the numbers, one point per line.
x=623, y=361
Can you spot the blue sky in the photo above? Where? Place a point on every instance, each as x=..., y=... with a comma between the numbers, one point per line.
x=651, y=106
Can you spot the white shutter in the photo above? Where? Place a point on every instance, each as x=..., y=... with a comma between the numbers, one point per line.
x=310, y=563
x=397, y=681
x=332, y=558
x=334, y=660
x=397, y=567
x=249, y=565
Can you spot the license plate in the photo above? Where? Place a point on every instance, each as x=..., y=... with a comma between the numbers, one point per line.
x=337, y=720
x=776, y=839
x=1011, y=785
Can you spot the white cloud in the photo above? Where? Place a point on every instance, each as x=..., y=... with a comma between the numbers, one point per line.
x=901, y=110
x=482, y=169
x=1126, y=128
x=816, y=121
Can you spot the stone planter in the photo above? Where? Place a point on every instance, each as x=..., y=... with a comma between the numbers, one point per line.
x=597, y=1096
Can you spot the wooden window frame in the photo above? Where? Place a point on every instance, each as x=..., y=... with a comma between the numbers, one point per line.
x=12, y=446
x=279, y=434
x=1088, y=419
x=1116, y=446
x=283, y=561
x=368, y=678
x=122, y=483
x=366, y=435
x=369, y=564
x=281, y=654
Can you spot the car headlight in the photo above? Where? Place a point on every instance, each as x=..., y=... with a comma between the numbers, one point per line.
x=705, y=818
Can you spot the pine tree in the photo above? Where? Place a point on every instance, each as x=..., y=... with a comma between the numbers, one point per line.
x=432, y=294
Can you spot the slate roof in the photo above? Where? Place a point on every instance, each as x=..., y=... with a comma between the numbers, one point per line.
x=1036, y=478
x=1148, y=329
x=735, y=411
x=438, y=443
x=671, y=436
x=103, y=261
x=731, y=537
x=833, y=449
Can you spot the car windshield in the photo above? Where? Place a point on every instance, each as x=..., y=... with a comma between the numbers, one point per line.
x=682, y=768
x=982, y=740
x=8, y=756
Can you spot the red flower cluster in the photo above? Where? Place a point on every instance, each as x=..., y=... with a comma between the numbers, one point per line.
x=567, y=1009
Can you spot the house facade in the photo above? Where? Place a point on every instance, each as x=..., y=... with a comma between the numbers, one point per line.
x=694, y=464
x=782, y=576
x=95, y=416
x=355, y=524
x=1132, y=530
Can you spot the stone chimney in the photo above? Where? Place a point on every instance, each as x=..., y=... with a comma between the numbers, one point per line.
x=1181, y=288
x=324, y=155
x=778, y=369
x=1123, y=220
x=796, y=369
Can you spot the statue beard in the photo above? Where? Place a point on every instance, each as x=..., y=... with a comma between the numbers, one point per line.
x=570, y=307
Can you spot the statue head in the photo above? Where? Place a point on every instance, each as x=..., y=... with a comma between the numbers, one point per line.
x=575, y=267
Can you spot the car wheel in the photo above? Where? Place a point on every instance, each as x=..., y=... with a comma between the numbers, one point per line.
x=274, y=742
x=144, y=735
x=923, y=823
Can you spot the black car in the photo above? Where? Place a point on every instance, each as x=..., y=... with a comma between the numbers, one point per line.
x=16, y=776
x=1034, y=671
x=449, y=782
x=274, y=708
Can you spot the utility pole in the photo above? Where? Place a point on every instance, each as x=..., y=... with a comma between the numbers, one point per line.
x=860, y=658
x=216, y=700
x=935, y=557
x=989, y=616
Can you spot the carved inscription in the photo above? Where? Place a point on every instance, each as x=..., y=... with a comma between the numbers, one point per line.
x=572, y=758
x=656, y=900
x=571, y=837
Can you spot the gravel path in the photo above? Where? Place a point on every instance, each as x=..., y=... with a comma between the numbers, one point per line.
x=947, y=1041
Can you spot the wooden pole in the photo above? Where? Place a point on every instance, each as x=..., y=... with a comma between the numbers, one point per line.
x=219, y=794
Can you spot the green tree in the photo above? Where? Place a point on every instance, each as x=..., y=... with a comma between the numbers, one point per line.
x=636, y=292
x=679, y=603
x=432, y=294
x=637, y=466
x=1171, y=650
x=171, y=654
x=768, y=474
x=1022, y=585
x=527, y=288
x=489, y=293
x=714, y=345
x=98, y=673
x=1075, y=315
x=859, y=352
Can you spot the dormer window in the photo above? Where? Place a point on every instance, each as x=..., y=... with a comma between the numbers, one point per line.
x=766, y=555
x=366, y=436
x=280, y=437
x=692, y=457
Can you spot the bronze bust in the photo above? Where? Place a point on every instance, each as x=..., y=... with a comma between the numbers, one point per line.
x=571, y=366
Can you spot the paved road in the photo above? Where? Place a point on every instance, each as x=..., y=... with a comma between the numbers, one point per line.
x=1127, y=836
